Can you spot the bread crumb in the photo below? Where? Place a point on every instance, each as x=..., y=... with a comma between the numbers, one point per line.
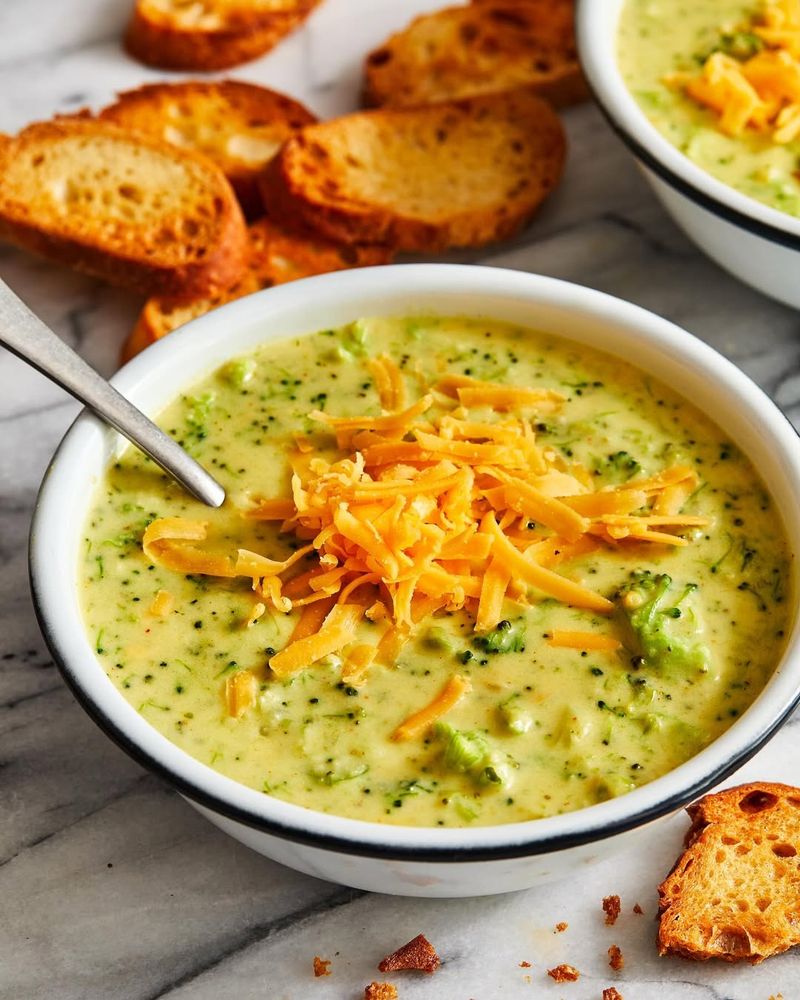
x=564, y=974
x=418, y=953
x=615, y=959
x=561, y=926
x=612, y=907
x=380, y=991
x=612, y=993
x=524, y=965
x=638, y=909
x=322, y=966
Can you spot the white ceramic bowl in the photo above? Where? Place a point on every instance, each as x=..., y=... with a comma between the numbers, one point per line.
x=756, y=243
x=406, y=860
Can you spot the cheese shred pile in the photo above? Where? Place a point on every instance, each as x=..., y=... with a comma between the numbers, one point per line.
x=761, y=88
x=450, y=503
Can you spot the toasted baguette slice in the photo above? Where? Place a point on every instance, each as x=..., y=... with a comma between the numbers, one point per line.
x=460, y=173
x=484, y=48
x=239, y=126
x=734, y=893
x=162, y=315
x=209, y=34
x=134, y=211
x=277, y=255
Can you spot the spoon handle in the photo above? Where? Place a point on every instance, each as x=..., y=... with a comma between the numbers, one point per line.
x=25, y=335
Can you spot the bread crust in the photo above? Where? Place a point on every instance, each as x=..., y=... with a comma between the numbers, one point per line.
x=734, y=893
x=488, y=47
x=276, y=256
x=307, y=183
x=279, y=255
x=156, y=320
x=108, y=248
x=418, y=953
x=158, y=41
x=227, y=109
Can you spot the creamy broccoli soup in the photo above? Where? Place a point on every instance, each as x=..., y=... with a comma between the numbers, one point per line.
x=719, y=78
x=465, y=573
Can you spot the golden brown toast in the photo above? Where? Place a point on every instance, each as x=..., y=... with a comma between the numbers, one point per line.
x=490, y=46
x=162, y=315
x=734, y=893
x=460, y=173
x=277, y=255
x=134, y=211
x=209, y=34
x=239, y=126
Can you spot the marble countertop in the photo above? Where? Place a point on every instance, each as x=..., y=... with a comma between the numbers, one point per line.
x=110, y=885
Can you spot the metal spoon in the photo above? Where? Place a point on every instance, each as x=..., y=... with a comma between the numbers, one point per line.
x=29, y=338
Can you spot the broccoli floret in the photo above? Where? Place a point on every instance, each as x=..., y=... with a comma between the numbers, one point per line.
x=239, y=372
x=437, y=638
x=468, y=809
x=516, y=718
x=470, y=753
x=495, y=773
x=334, y=774
x=740, y=44
x=353, y=341
x=619, y=467
x=665, y=631
x=197, y=415
x=506, y=638
x=462, y=751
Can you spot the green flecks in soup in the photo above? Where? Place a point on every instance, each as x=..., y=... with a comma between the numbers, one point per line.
x=660, y=40
x=693, y=634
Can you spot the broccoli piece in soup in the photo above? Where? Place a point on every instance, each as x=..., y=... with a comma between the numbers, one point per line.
x=506, y=638
x=471, y=753
x=462, y=751
x=516, y=718
x=740, y=44
x=665, y=629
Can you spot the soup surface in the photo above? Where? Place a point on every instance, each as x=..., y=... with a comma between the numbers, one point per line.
x=556, y=706
x=662, y=41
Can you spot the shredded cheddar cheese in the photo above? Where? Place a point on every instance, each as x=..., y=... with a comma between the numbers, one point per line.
x=429, y=507
x=416, y=724
x=582, y=640
x=389, y=382
x=760, y=92
x=162, y=604
x=241, y=691
x=338, y=629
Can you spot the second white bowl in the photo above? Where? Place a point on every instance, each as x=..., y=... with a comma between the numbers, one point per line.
x=756, y=243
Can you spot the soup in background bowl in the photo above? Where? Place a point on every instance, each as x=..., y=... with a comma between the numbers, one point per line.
x=297, y=791
x=717, y=80
x=640, y=60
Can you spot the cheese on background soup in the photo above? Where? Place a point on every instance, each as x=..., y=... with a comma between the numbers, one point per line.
x=559, y=700
x=670, y=49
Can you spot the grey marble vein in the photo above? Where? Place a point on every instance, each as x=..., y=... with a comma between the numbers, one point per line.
x=111, y=886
